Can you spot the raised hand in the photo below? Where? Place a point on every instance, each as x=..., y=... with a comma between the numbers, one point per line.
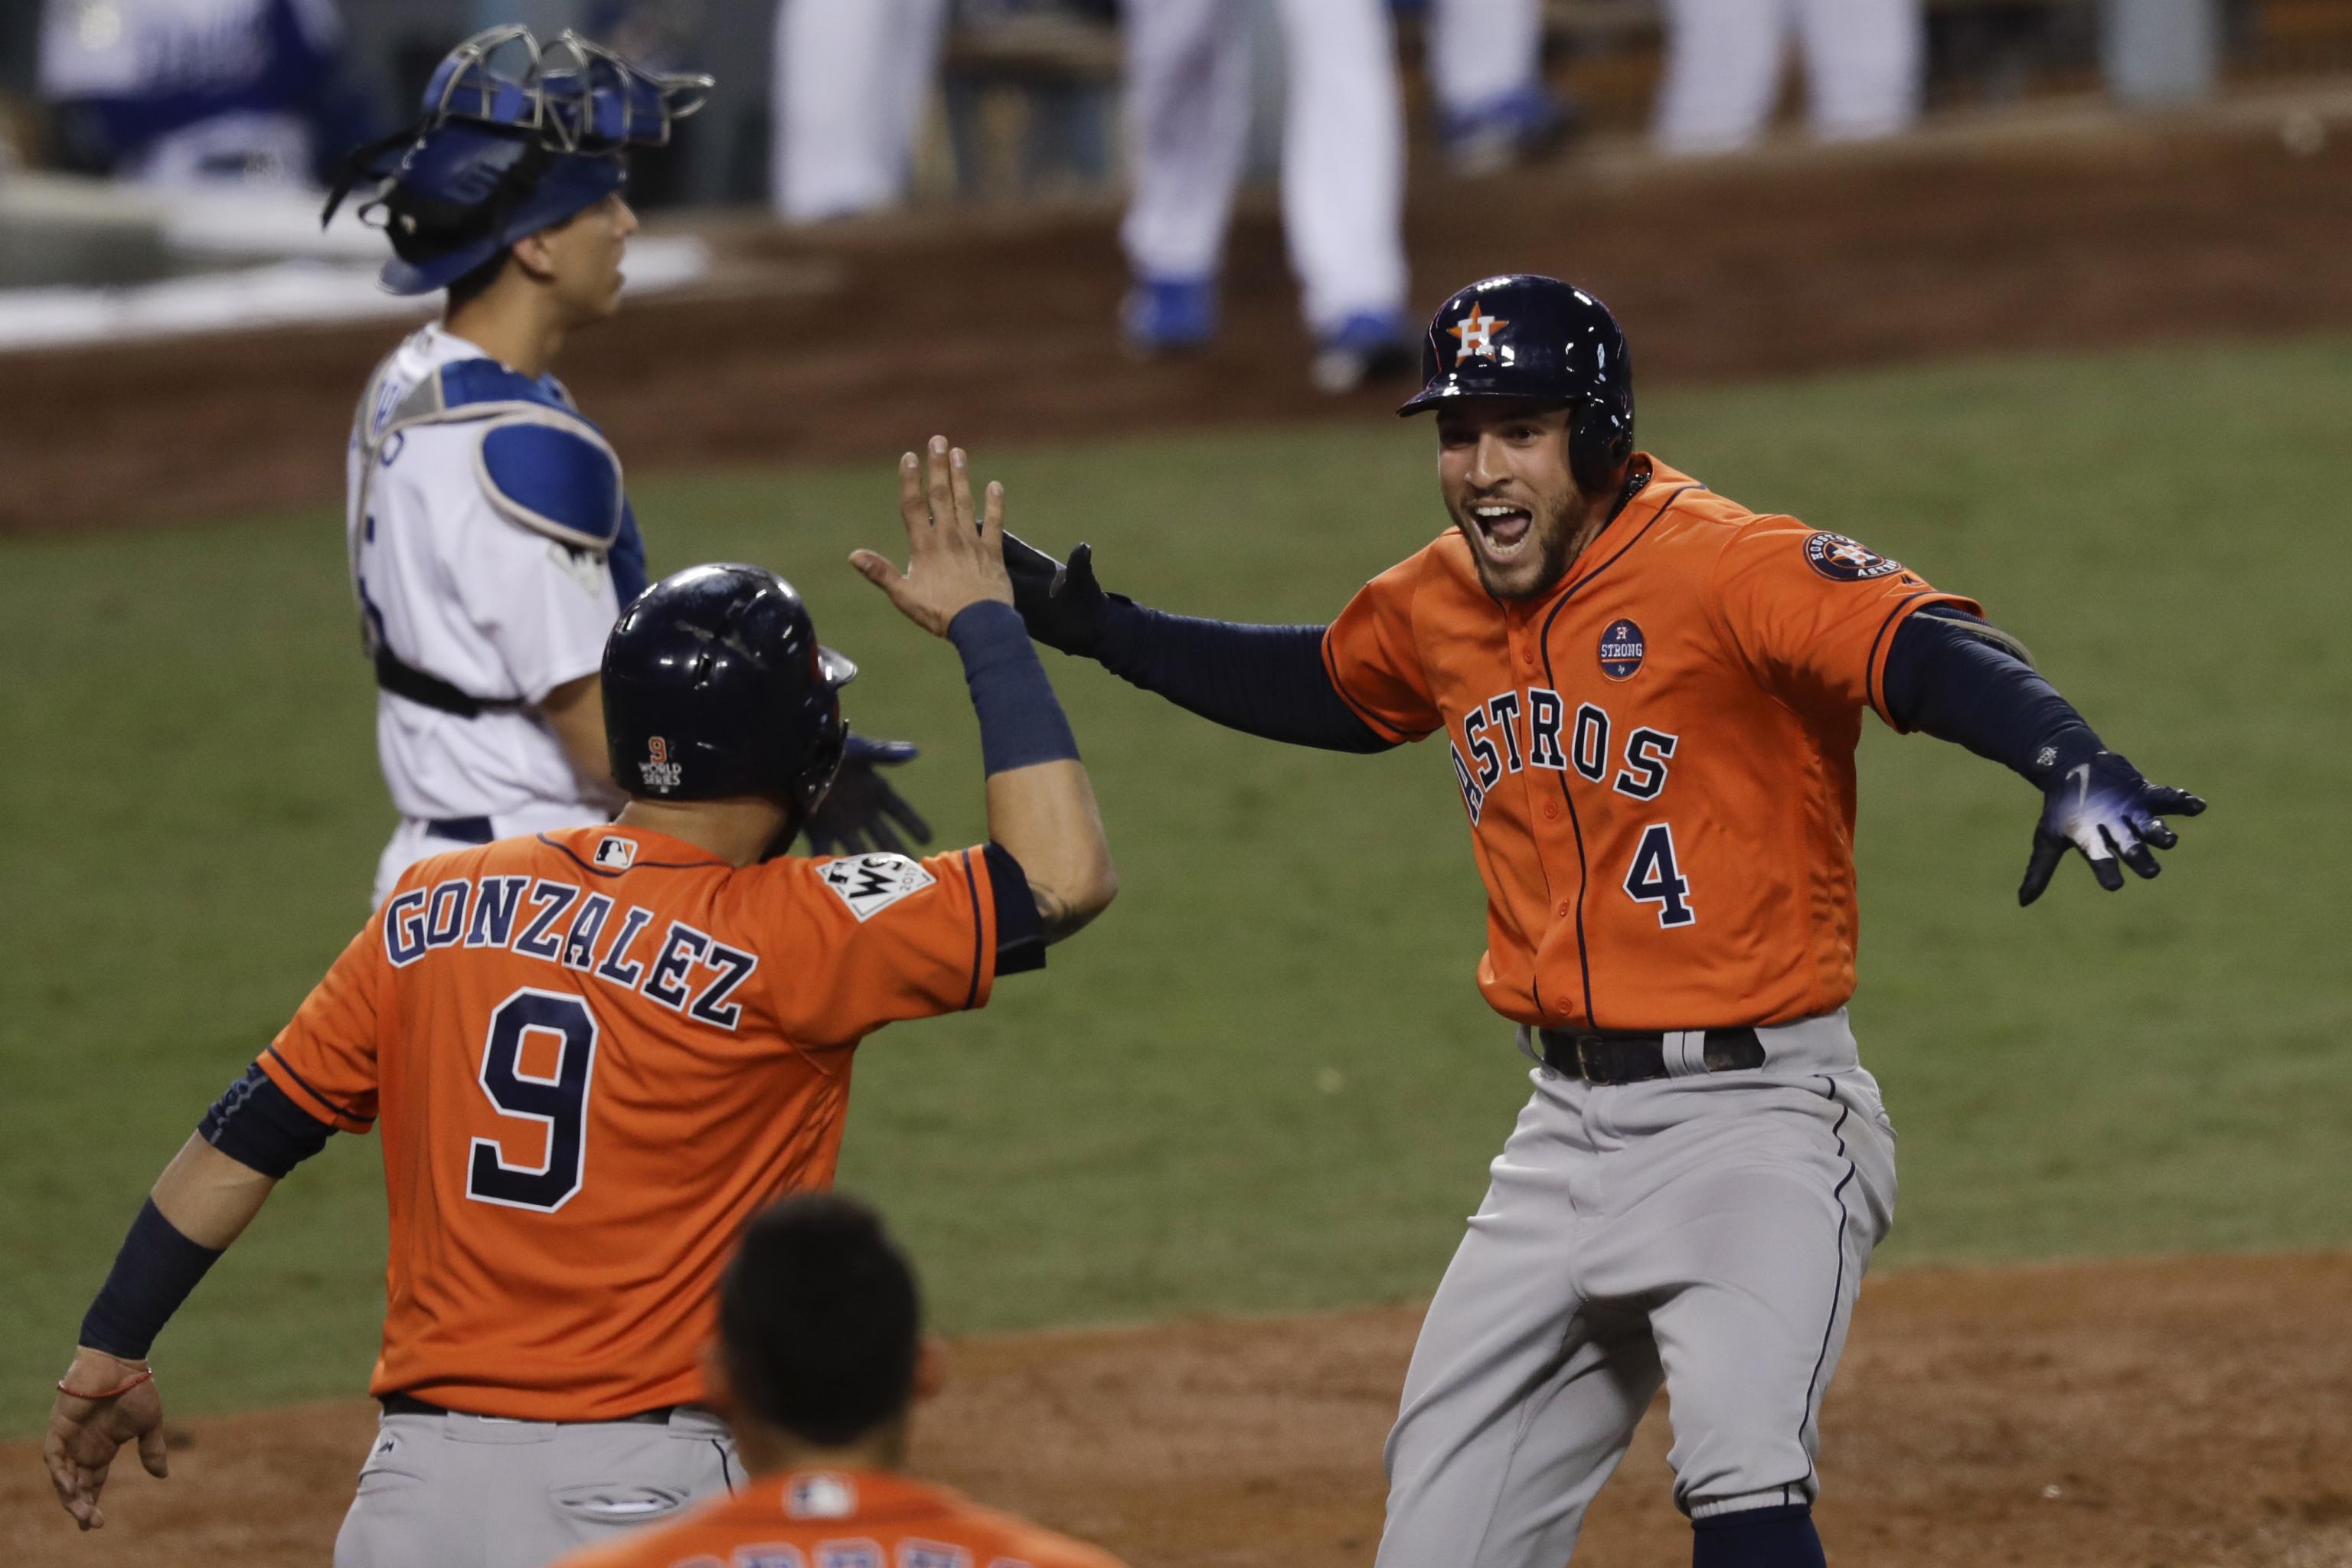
x=1062, y=606
x=2102, y=807
x=859, y=810
x=954, y=561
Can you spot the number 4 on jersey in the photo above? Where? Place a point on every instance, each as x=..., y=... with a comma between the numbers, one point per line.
x=1652, y=879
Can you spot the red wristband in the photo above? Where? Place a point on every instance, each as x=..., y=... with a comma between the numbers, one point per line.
x=147, y=1375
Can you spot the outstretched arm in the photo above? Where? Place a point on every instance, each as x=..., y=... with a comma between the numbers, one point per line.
x=1041, y=805
x=1955, y=677
x=1269, y=681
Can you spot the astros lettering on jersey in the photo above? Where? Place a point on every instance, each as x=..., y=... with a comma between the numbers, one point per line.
x=594, y=1054
x=844, y=1518
x=1660, y=850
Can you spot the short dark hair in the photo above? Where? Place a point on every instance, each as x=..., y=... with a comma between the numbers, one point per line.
x=469, y=287
x=819, y=1320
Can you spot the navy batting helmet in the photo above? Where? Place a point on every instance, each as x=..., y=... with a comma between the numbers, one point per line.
x=504, y=153
x=1524, y=335
x=715, y=684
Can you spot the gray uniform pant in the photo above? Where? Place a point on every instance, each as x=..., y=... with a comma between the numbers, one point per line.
x=473, y=1491
x=1707, y=1231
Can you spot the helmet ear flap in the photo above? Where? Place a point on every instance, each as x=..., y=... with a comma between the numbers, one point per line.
x=1600, y=440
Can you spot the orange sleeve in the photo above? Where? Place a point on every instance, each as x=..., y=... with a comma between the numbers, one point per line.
x=325, y=1058
x=1375, y=661
x=1813, y=615
x=867, y=940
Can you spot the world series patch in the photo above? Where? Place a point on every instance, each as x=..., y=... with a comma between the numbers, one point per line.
x=1842, y=560
x=1621, y=650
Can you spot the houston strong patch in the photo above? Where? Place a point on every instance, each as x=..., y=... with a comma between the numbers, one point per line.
x=869, y=884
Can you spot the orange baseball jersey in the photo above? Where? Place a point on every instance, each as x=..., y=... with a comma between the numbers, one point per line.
x=594, y=1054
x=842, y=1519
x=1658, y=758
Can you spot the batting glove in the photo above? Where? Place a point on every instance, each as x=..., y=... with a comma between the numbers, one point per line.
x=1062, y=606
x=2102, y=807
x=856, y=812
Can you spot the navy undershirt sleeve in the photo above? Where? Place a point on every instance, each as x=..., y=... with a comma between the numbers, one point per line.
x=1947, y=681
x=1268, y=682
x=254, y=1123
x=1020, y=931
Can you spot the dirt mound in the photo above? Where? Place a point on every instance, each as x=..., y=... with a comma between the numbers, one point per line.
x=2141, y=1415
x=861, y=341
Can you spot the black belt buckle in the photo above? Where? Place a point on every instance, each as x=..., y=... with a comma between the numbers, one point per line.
x=1593, y=1063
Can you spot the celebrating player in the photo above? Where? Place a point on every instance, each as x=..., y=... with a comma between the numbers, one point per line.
x=491, y=542
x=1650, y=698
x=593, y=1053
x=820, y=1355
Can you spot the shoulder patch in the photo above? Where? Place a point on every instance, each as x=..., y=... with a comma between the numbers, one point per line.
x=1841, y=560
x=554, y=476
x=869, y=884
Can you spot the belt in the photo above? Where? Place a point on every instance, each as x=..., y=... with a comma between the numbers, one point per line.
x=1633, y=1058
x=409, y=1405
x=463, y=829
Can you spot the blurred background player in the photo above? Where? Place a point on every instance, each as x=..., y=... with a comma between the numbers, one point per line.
x=491, y=541
x=1484, y=59
x=819, y=1360
x=594, y=1053
x=1863, y=64
x=175, y=92
x=851, y=85
x=1188, y=81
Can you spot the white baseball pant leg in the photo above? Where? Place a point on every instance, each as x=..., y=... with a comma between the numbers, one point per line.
x=1723, y=72
x=1864, y=59
x=851, y=79
x=467, y=1491
x=1708, y=1232
x=1481, y=51
x=1343, y=159
x=1188, y=113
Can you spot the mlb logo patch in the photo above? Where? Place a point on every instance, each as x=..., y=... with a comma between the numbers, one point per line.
x=869, y=884
x=614, y=853
x=821, y=1494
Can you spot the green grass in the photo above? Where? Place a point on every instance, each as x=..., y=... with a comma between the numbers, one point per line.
x=1264, y=1081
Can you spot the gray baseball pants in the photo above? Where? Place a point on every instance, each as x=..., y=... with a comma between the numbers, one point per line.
x=1707, y=1231
x=475, y=1491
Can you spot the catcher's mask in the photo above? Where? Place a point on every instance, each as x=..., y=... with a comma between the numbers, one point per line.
x=514, y=138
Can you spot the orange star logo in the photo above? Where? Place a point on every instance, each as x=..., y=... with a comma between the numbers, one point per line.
x=1475, y=333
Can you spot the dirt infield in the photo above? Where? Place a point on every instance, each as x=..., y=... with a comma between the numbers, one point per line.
x=862, y=339
x=2180, y=1413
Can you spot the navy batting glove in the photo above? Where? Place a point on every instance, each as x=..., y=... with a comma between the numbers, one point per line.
x=2102, y=807
x=857, y=813
x=1062, y=606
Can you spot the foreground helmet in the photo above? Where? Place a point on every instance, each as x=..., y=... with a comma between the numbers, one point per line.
x=715, y=684
x=514, y=139
x=1522, y=334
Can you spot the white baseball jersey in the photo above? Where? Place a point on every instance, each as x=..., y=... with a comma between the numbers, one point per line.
x=482, y=513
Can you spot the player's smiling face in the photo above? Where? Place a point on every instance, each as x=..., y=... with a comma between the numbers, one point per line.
x=1502, y=465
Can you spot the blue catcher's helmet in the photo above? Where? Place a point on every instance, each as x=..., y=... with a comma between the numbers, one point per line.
x=715, y=684
x=501, y=153
x=1523, y=335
